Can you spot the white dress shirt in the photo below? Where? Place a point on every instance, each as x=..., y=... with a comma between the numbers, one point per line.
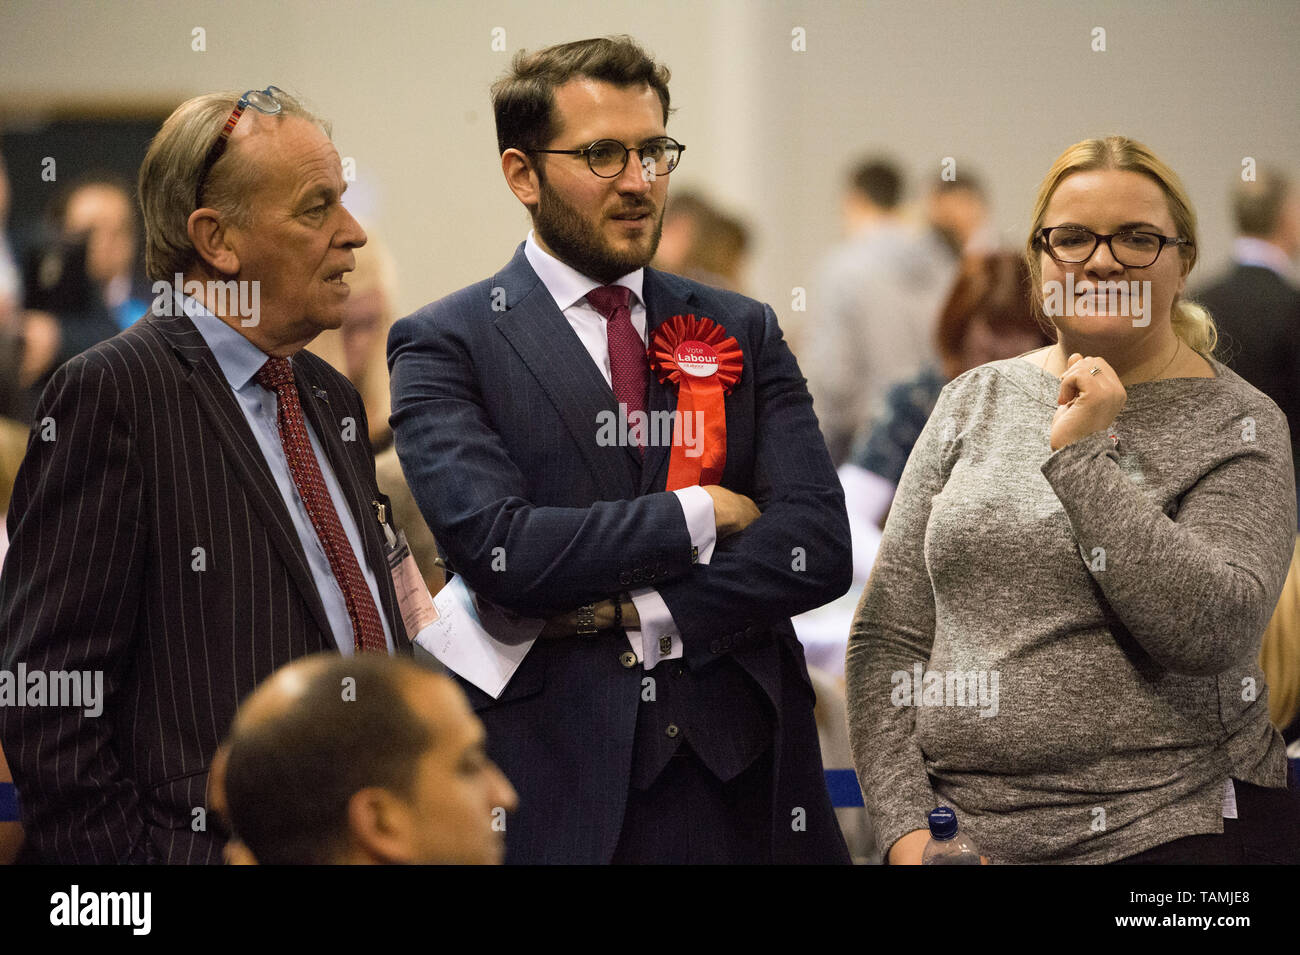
x=569, y=288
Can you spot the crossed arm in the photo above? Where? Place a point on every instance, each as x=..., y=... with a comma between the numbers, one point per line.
x=557, y=558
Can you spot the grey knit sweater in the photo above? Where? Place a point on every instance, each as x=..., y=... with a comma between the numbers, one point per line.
x=1063, y=646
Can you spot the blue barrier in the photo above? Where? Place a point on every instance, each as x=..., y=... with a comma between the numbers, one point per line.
x=9, y=803
x=843, y=787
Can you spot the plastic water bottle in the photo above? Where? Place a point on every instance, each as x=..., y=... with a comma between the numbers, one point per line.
x=947, y=846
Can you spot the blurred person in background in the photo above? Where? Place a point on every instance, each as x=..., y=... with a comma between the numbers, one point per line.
x=701, y=242
x=57, y=283
x=359, y=349
x=10, y=286
x=873, y=306
x=957, y=210
x=1102, y=529
x=29, y=339
x=356, y=761
x=100, y=210
x=989, y=315
x=15, y=352
x=1256, y=305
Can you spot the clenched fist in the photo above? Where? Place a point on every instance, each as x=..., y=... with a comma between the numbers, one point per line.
x=1088, y=402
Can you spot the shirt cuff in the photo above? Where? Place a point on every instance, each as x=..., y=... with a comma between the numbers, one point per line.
x=701, y=522
x=657, y=639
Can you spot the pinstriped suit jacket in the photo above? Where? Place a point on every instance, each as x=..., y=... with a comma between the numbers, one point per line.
x=152, y=459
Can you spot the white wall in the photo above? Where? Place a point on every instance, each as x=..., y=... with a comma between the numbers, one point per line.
x=770, y=130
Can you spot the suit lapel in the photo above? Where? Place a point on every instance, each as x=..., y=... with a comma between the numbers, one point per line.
x=231, y=428
x=664, y=298
x=562, y=367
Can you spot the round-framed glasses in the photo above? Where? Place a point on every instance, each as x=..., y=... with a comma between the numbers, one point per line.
x=608, y=157
x=1071, y=245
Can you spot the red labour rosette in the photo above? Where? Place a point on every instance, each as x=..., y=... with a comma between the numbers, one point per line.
x=704, y=363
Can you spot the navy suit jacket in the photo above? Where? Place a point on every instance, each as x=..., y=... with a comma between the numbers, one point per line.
x=496, y=409
x=140, y=454
x=1258, y=316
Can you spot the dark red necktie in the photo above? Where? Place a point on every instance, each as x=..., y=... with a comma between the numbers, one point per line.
x=628, y=365
x=367, y=630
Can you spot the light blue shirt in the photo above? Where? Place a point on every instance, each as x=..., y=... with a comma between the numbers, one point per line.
x=240, y=360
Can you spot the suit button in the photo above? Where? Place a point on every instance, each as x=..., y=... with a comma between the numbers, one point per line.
x=625, y=578
x=715, y=647
x=672, y=731
x=627, y=658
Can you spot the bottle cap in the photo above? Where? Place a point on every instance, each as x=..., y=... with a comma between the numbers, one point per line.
x=943, y=823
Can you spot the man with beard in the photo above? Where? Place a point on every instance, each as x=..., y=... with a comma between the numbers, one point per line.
x=665, y=713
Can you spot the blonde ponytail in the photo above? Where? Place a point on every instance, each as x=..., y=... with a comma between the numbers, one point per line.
x=1195, y=326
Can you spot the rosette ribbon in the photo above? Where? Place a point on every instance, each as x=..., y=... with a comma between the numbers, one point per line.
x=698, y=357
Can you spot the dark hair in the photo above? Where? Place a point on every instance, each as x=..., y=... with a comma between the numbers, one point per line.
x=524, y=99
x=290, y=776
x=1258, y=205
x=996, y=288
x=880, y=181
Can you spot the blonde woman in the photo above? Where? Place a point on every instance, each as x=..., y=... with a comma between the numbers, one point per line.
x=1060, y=635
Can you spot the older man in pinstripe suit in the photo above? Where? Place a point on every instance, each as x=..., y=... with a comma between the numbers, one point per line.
x=198, y=503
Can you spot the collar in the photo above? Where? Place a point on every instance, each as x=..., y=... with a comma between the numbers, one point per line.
x=239, y=358
x=566, y=284
x=1248, y=250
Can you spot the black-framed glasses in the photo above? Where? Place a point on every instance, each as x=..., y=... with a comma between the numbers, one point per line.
x=608, y=157
x=1071, y=245
x=263, y=101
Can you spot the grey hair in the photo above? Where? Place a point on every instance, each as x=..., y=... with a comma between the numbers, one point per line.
x=170, y=172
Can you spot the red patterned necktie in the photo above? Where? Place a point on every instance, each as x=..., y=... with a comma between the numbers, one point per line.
x=628, y=365
x=277, y=375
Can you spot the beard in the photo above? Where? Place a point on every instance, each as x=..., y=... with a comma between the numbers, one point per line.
x=581, y=245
